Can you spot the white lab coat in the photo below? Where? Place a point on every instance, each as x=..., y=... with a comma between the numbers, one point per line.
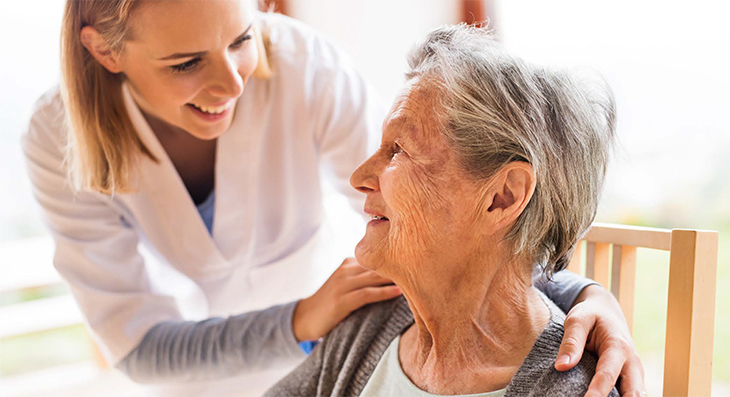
x=268, y=243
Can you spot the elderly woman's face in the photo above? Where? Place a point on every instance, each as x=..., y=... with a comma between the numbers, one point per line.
x=423, y=203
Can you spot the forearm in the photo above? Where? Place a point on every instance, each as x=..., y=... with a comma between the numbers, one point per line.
x=565, y=289
x=214, y=348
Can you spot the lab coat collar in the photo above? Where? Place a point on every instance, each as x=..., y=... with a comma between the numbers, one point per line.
x=174, y=224
x=238, y=173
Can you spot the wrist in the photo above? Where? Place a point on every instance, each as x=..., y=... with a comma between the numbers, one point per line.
x=592, y=290
x=299, y=323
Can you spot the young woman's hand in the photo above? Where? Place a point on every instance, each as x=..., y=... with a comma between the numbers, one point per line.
x=597, y=323
x=349, y=288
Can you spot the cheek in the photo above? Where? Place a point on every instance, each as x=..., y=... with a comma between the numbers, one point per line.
x=166, y=92
x=248, y=59
x=419, y=211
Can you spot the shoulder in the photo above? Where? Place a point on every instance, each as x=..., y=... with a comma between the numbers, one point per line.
x=314, y=77
x=537, y=375
x=551, y=382
x=368, y=322
x=47, y=125
x=292, y=43
x=347, y=356
x=307, y=67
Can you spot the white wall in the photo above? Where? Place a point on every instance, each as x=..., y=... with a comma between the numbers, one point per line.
x=29, y=39
x=377, y=34
x=667, y=63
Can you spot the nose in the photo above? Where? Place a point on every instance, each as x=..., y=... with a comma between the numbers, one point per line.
x=226, y=81
x=365, y=178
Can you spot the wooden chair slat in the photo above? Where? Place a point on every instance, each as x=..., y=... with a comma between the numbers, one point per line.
x=623, y=280
x=645, y=237
x=590, y=260
x=692, y=285
x=690, y=313
x=575, y=263
x=597, y=266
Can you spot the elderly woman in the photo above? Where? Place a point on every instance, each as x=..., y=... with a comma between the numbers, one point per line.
x=489, y=170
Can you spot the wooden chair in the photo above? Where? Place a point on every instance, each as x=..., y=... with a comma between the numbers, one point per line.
x=691, y=302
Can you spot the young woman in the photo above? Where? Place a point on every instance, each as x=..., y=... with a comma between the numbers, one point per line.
x=199, y=129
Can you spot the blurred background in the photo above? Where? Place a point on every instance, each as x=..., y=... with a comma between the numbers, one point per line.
x=666, y=61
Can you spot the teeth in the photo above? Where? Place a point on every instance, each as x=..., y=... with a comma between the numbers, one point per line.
x=214, y=110
x=376, y=217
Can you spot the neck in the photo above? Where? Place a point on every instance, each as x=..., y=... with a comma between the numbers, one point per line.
x=165, y=131
x=471, y=336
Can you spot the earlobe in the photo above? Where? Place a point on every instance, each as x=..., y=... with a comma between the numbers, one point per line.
x=99, y=49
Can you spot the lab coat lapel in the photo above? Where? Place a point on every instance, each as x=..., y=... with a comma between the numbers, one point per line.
x=238, y=174
x=164, y=208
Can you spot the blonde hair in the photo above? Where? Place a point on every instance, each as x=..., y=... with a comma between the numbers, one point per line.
x=103, y=145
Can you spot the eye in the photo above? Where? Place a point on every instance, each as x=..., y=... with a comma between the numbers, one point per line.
x=238, y=43
x=396, y=149
x=185, y=66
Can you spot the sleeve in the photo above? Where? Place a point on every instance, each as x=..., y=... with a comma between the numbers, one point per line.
x=348, y=117
x=96, y=254
x=564, y=288
x=214, y=348
x=96, y=251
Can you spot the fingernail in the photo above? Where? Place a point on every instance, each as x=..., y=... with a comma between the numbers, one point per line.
x=562, y=360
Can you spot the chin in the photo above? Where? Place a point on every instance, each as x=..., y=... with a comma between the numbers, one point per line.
x=368, y=255
x=362, y=256
x=209, y=132
x=206, y=135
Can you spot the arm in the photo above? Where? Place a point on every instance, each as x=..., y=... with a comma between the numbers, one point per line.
x=96, y=250
x=96, y=253
x=564, y=288
x=595, y=322
x=214, y=348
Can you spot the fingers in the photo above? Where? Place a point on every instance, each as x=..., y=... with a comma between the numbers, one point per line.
x=351, y=276
x=574, y=341
x=632, y=378
x=369, y=279
x=363, y=296
x=607, y=371
x=350, y=267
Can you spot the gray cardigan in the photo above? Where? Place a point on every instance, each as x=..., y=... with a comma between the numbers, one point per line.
x=343, y=362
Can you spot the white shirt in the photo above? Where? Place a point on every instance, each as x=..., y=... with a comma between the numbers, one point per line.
x=388, y=379
x=315, y=116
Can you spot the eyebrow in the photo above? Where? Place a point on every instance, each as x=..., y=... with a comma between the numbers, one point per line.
x=179, y=55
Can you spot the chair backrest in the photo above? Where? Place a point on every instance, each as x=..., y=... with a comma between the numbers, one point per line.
x=610, y=259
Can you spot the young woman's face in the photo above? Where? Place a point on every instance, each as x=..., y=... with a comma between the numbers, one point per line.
x=188, y=61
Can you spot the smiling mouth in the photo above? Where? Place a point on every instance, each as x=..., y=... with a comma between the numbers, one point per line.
x=378, y=218
x=211, y=109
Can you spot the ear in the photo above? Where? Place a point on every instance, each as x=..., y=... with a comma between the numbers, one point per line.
x=507, y=195
x=100, y=50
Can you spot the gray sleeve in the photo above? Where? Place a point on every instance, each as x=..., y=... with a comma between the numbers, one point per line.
x=214, y=348
x=564, y=288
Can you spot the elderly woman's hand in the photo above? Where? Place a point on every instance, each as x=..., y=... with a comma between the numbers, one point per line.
x=596, y=323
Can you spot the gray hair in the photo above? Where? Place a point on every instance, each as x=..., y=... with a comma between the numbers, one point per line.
x=497, y=109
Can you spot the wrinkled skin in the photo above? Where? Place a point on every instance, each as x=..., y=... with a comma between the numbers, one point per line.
x=431, y=246
x=426, y=196
x=442, y=244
